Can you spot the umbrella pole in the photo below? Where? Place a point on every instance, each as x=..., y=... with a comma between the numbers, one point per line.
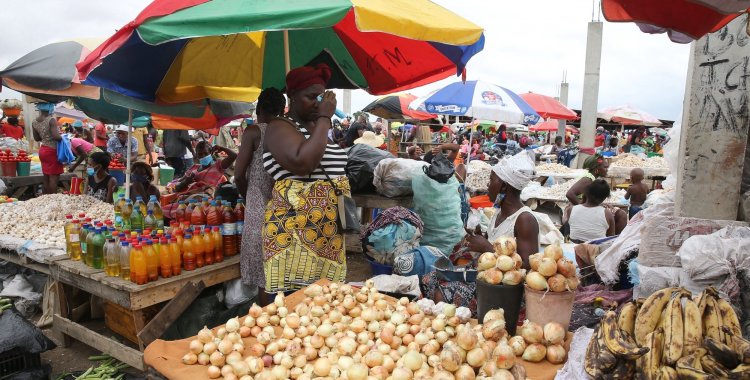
x=287, y=60
x=128, y=159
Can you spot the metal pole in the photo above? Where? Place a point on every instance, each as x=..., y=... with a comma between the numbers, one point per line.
x=287, y=60
x=128, y=159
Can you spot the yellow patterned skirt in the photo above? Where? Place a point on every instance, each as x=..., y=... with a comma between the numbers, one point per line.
x=301, y=239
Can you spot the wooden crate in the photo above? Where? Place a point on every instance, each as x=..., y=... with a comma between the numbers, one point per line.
x=125, y=322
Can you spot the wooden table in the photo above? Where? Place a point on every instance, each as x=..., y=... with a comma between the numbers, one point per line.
x=18, y=185
x=139, y=300
x=368, y=202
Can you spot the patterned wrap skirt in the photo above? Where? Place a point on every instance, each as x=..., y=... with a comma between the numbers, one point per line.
x=301, y=238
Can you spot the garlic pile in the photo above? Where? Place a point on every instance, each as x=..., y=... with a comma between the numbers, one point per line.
x=553, y=168
x=535, y=343
x=559, y=191
x=502, y=266
x=551, y=271
x=42, y=219
x=632, y=161
x=341, y=332
x=478, y=176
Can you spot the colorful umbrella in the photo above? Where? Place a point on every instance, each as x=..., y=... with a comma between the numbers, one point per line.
x=183, y=50
x=682, y=20
x=396, y=107
x=478, y=99
x=627, y=115
x=549, y=107
x=551, y=126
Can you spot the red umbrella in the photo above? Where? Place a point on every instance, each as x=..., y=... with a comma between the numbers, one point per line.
x=683, y=20
x=396, y=107
x=548, y=107
x=551, y=126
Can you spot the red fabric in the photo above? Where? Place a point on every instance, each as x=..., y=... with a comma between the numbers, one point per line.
x=684, y=16
x=12, y=131
x=404, y=101
x=599, y=140
x=548, y=107
x=50, y=164
x=306, y=76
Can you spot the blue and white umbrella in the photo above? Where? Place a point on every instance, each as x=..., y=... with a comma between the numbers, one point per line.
x=480, y=100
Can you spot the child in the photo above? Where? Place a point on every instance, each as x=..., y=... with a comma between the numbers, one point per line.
x=637, y=192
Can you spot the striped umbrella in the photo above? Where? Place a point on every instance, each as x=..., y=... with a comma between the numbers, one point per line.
x=183, y=50
x=627, y=115
x=396, y=107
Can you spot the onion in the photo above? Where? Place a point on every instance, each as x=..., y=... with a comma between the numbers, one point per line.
x=534, y=353
x=401, y=373
x=486, y=261
x=203, y=358
x=536, y=281
x=190, y=358
x=494, y=314
x=512, y=277
x=373, y=359
x=554, y=333
x=532, y=332
x=449, y=310
x=492, y=276
x=503, y=374
x=505, y=246
x=244, y=331
x=476, y=357
x=566, y=267
x=547, y=267
x=214, y=372
x=227, y=370
x=518, y=260
x=357, y=372
x=557, y=283
x=466, y=338
x=505, y=263
x=255, y=311
x=249, y=321
x=494, y=330
x=556, y=354
x=217, y=359
x=196, y=347
x=322, y=367
x=572, y=282
x=504, y=356
x=205, y=335
x=240, y=368
x=553, y=251
x=267, y=361
x=518, y=344
x=210, y=348
x=465, y=372
x=233, y=324
x=450, y=358
x=233, y=356
x=488, y=369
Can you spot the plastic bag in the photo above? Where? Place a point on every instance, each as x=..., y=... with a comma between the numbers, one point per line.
x=18, y=333
x=237, y=293
x=710, y=258
x=360, y=167
x=64, y=151
x=393, y=176
x=439, y=206
x=672, y=156
x=418, y=261
x=387, y=242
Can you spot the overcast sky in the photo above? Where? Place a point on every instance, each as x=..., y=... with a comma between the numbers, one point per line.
x=528, y=46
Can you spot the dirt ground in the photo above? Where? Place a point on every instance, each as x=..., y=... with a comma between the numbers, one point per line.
x=75, y=357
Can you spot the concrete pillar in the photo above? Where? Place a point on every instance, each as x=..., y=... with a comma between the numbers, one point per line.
x=29, y=114
x=563, y=100
x=347, y=102
x=715, y=125
x=590, y=101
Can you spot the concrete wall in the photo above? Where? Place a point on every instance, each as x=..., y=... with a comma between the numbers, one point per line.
x=715, y=124
x=590, y=101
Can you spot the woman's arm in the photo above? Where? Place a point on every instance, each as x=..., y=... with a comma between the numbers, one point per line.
x=527, y=237
x=229, y=159
x=611, y=230
x=153, y=190
x=111, y=187
x=54, y=130
x=245, y=158
x=577, y=189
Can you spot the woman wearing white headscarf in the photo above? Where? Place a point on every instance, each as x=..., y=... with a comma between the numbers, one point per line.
x=513, y=219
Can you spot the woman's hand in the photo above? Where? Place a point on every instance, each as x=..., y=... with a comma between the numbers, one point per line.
x=476, y=242
x=327, y=105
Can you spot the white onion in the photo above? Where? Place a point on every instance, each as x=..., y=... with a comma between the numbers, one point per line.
x=505, y=263
x=518, y=344
x=486, y=261
x=536, y=281
x=557, y=283
x=556, y=354
x=504, y=356
x=505, y=245
x=532, y=332
x=566, y=267
x=547, y=267
x=465, y=372
x=205, y=335
x=534, y=353
x=554, y=333
x=512, y=277
x=553, y=251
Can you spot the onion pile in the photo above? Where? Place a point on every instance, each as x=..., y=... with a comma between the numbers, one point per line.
x=341, y=332
x=551, y=271
x=553, y=168
x=502, y=266
x=537, y=343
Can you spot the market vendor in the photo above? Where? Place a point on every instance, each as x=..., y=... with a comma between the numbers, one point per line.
x=597, y=167
x=589, y=220
x=118, y=144
x=82, y=149
x=208, y=172
x=47, y=132
x=11, y=128
x=100, y=185
x=141, y=182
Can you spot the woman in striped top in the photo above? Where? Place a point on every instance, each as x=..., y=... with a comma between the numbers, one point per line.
x=301, y=238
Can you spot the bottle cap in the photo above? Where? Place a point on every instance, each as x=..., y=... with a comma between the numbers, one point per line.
x=124, y=243
x=75, y=221
x=188, y=236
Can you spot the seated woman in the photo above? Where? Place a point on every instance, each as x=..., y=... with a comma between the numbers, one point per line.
x=141, y=182
x=597, y=167
x=589, y=220
x=202, y=178
x=101, y=185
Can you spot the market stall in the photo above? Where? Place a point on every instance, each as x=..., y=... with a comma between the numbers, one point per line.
x=18, y=185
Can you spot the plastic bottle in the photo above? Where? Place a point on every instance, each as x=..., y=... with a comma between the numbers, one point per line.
x=152, y=262
x=189, y=209
x=165, y=259
x=125, y=212
x=197, y=242
x=229, y=236
x=188, y=257
x=155, y=206
x=119, y=206
x=124, y=253
x=239, y=217
x=140, y=204
x=149, y=222
x=90, y=246
x=198, y=218
x=136, y=218
x=213, y=216
x=75, y=240
x=139, y=267
x=208, y=246
x=179, y=214
x=68, y=226
x=112, y=258
x=206, y=203
x=218, y=244
x=175, y=256
x=134, y=247
x=97, y=249
x=84, y=232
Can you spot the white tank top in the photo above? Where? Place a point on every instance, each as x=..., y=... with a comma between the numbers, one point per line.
x=587, y=223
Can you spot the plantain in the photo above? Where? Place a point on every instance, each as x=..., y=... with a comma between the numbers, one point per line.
x=692, y=325
x=741, y=345
x=689, y=367
x=723, y=354
x=647, y=366
x=729, y=319
x=626, y=317
x=618, y=344
x=625, y=369
x=673, y=331
x=649, y=314
x=741, y=372
x=712, y=320
x=667, y=373
x=598, y=360
x=710, y=365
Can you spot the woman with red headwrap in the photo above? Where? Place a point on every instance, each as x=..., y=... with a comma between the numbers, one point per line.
x=301, y=238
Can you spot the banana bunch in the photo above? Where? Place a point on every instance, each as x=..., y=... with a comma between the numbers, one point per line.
x=670, y=335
